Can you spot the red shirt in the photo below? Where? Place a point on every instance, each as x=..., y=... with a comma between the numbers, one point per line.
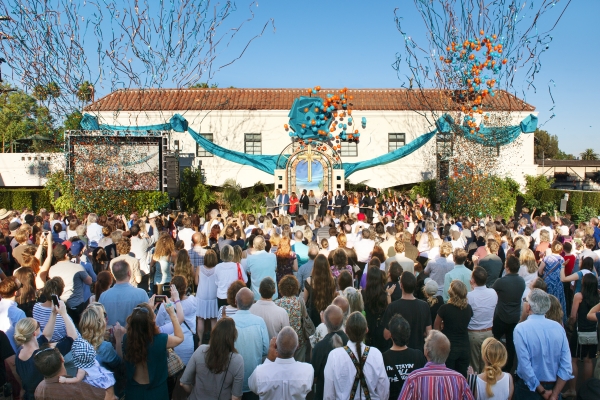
x=569, y=264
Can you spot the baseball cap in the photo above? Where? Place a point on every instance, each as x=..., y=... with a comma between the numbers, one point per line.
x=60, y=251
x=76, y=247
x=564, y=230
x=13, y=226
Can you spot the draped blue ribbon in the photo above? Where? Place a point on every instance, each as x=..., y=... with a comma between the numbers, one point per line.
x=268, y=163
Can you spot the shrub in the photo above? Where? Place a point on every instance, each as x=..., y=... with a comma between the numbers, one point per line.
x=17, y=199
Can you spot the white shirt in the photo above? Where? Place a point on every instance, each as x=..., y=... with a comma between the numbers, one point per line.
x=283, y=379
x=94, y=234
x=186, y=236
x=248, y=230
x=536, y=235
x=483, y=302
x=333, y=243
x=363, y=249
x=340, y=372
x=406, y=263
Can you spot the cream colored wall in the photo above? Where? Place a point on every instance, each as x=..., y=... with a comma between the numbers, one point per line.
x=228, y=128
x=28, y=169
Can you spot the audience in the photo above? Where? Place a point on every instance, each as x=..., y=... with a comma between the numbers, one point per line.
x=374, y=343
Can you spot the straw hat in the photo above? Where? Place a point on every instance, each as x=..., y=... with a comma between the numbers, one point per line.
x=4, y=213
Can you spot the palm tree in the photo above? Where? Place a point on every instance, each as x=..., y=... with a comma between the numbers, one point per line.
x=85, y=92
x=589, y=154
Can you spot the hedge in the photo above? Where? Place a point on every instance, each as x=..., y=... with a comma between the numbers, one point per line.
x=97, y=201
x=17, y=199
x=578, y=200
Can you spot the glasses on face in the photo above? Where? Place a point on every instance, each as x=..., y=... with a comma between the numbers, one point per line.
x=142, y=309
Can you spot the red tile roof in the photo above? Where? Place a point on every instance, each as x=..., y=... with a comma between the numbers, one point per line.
x=282, y=99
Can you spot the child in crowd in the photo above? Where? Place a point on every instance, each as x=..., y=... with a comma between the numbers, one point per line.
x=89, y=370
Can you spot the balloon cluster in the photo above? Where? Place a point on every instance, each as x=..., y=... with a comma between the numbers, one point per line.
x=473, y=59
x=328, y=118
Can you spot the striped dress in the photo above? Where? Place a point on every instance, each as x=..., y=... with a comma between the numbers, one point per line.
x=435, y=381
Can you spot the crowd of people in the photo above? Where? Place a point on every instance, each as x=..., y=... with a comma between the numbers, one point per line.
x=348, y=296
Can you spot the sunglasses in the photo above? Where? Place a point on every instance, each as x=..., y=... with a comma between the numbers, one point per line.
x=142, y=309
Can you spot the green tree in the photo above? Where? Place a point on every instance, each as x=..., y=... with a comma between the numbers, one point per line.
x=535, y=185
x=204, y=85
x=546, y=145
x=589, y=154
x=195, y=196
x=85, y=92
x=21, y=116
x=72, y=121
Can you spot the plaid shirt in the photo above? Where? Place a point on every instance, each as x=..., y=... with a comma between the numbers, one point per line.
x=197, y=256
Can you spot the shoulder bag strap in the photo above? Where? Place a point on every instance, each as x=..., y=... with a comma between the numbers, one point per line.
x=546, y=272
x=225, y=376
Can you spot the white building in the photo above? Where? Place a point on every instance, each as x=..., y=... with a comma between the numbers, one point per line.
x=252, y=121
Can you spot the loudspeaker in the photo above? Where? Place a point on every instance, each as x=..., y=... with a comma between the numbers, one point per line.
x=563, y=205
x=172, y=169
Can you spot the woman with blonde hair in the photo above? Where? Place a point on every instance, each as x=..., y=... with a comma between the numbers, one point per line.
x=529, y=268
x=92, y=327
x=162, y=275
x=275, y=240
x=183, y=267
x=427, y=238
x=28, y=338
x=492, y=383
x=355, y=300
x=455, y=317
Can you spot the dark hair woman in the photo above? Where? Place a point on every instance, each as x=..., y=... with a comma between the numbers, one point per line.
x=320, y=291
x=104, y=281
x=216, y=370
x=145, y=351
x=375, y=299
x=26, y=298
x=582, y=304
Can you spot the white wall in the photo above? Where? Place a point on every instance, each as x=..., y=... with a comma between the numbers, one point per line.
x=228, y=128
x=28, y=169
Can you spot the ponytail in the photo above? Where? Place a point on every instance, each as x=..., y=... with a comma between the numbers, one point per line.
x=494, y=356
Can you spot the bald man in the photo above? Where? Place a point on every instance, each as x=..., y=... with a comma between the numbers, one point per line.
x=197, y=251
x=333, y=318
x=253, y=339
x=280, y=376
x=321, y=330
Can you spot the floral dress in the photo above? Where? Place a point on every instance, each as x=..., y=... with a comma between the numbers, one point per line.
x=292, y=305
x=336, y=272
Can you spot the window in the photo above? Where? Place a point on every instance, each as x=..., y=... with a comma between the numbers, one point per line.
x=200, y=151
x=395, y=141
x=252, y=143
x=349, y=149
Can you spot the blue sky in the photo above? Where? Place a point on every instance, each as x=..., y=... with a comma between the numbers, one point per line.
x=355, y=44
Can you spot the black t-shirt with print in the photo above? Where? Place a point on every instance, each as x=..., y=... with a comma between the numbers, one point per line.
x=399, y=364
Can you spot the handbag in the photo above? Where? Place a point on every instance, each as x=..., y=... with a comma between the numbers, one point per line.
x=307, y=325
x=174, y=363
x=587, y=338
x=239, y=270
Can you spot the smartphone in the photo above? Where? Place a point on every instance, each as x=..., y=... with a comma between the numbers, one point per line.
x=55, y=300
x=160, y=298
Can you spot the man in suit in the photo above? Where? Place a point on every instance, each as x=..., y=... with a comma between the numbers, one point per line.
x=363, y=203
x=283, y=202
x=303, y=203
x=271, y=204
x=276, y=199
x=371, y=202
x=338, y=203
x=345, y=206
